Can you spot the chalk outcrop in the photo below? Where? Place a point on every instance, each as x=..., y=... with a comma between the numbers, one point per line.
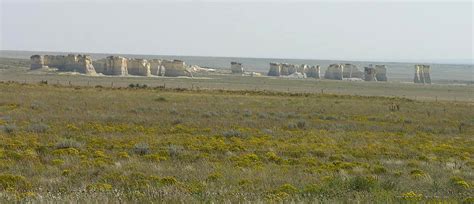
x=138, y=67
x=275, y=69
x=313, y=72
x=352, y=71
x=381, y=72
x=296, y=75
x=115, y=65
x=284, y=70
x=334, y=71
x=85, y=64
x=292, y=69
x=156, y=67
x=369, y=73
x=55, y=61
x=422, y=74
x=37, y=62
x=71, y=62
x=236, y=68
x=175, y=68
x=426, y=74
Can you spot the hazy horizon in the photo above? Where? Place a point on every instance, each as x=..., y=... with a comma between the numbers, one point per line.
x=437, y=32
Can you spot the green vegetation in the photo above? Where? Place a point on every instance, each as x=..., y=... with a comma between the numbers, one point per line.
x=59, y=144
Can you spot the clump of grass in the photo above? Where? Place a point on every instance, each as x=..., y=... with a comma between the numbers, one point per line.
x=417, y=173
x=301, y=124
x=247, y=113
x=14, y=182
x=322, y=117
x=174, y=111
x=35, y=106
x=459, y=183
x=161, y=99
x=10, y=128
x=378, y=169
x=214, y=176
x=68, y=143
x=263, y=115
x=141, y=149
x=99, y=187
x=267, y=131
x=209, y=114
x=362, y=183
x=38, y=128
x=412, y=196
x=177, y=121
x=233, y=133
x=175, y=150
x=169, y=180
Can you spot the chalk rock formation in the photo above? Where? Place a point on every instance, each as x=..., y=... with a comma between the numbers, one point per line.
x=296, y=75
x=313, y=72
x=236, y=68
x=139, y=67
x=351, y=71
x=369, y=74
x=198, y=69
x=255, y=74
x=175, y=68
x=156, y=68
x=84, y=63
x=422, y=74
x=284, y=70
x=115, y=65
x=55, y=61
x=292, y=69
x=334, y=71
x=418, y=75
x=71, y=62
x=37, y=62
x=275, y=69
x=426, y=74
x=302, y=68
x=381, y=72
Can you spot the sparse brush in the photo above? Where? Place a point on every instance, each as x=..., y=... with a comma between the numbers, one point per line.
x=141, y=149
x=232, y=133
x=128, y=145
x=160, y=99
x=175, y=150
x=38, y=128
x=68, y=143
x=10, y=128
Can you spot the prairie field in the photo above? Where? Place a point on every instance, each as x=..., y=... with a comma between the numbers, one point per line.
x=61, y=143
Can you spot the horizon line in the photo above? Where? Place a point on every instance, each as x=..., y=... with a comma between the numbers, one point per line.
x=430, y=61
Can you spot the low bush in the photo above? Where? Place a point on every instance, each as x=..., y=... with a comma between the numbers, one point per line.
x=141, y=149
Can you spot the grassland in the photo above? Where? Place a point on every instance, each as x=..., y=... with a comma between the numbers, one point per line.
x=69, y=143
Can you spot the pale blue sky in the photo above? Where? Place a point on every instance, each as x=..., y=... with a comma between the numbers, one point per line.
x=362, y=30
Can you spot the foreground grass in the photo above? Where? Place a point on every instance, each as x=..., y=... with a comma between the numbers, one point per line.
x=150, y=145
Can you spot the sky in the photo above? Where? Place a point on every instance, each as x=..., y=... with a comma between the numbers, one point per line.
x=344, y=30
